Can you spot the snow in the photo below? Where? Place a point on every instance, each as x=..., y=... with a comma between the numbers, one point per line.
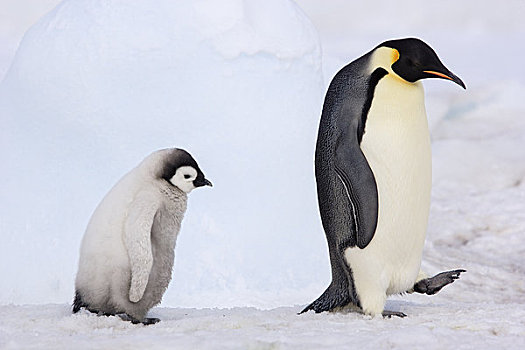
x=240, y=86
x=430, y=327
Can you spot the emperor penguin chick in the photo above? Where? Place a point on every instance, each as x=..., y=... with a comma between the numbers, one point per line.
x=373, y=174
x=127, y=252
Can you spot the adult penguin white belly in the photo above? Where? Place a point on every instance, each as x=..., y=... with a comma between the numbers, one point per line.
x=396, y=144
x=373, y=172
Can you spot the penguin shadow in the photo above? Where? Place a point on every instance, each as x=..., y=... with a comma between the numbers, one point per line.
x=396, y=308
x=392, y=308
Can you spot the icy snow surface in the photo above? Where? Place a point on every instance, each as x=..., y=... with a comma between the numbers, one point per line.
x=447, y=325
x=95, y=86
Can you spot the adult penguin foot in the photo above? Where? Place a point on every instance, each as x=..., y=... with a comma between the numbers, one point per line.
x=389, y=314
x=434, y=284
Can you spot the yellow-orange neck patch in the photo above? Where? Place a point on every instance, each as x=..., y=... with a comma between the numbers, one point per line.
x=395, y=55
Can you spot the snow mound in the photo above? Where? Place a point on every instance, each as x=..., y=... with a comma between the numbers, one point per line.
x=97, y=85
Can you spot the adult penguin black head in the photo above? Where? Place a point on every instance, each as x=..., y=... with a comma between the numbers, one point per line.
x=414, y=60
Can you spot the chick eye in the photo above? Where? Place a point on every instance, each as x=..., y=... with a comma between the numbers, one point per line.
x=187, y=176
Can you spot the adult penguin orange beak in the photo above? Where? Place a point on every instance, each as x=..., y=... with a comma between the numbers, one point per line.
x=448, y=75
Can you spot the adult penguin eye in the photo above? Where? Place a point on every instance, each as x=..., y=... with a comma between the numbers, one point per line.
x=186, y=176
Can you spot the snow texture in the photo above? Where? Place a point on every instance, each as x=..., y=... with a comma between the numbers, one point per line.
x=446, y=325
x=97, y=85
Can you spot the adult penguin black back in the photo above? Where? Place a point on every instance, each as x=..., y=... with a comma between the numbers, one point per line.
x=373, y=173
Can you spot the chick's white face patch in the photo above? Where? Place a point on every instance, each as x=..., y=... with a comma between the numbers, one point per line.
x=184, y=177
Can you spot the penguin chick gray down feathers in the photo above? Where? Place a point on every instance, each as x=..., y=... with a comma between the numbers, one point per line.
x=127, y=251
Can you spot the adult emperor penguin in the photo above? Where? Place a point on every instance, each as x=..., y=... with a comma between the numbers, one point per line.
x=373, y=173
x=127, y=252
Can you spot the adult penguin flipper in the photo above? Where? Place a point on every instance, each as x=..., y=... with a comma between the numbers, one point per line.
x=343, y=123
x=360, y=188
